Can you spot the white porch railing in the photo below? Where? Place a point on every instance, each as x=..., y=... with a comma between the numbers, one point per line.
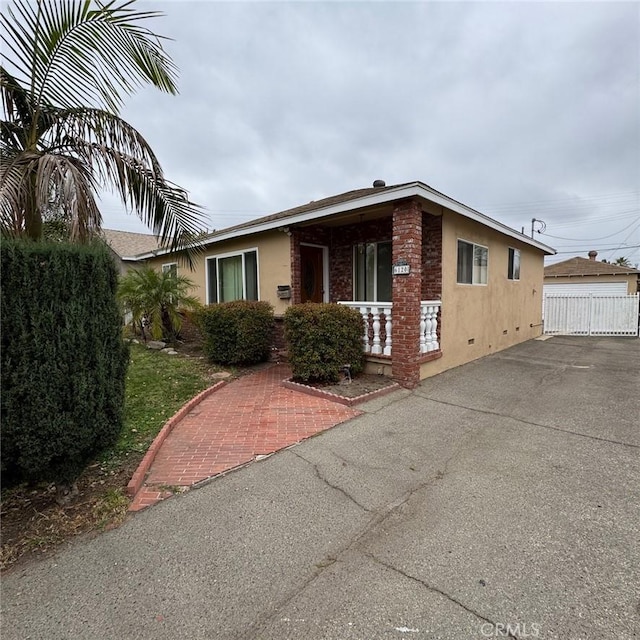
x=380, y=313
x=429, y=325
x=377, y=338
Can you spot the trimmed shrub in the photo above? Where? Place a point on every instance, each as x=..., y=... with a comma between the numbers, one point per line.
x=321, y=339
x=63, y=359
x=237, y=332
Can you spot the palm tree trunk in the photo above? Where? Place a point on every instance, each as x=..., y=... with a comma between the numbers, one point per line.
x=32, y=214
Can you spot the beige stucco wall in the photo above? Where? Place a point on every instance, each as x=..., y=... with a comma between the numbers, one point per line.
x=496, y=315
x=631, y=280
x=274, y=265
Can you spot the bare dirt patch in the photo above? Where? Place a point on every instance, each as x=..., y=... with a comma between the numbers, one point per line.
x=359, y=386
x=34, y=524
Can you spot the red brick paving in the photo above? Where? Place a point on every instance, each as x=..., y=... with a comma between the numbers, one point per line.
x=251, y=416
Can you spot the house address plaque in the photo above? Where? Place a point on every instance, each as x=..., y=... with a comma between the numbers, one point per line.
x=401, y=268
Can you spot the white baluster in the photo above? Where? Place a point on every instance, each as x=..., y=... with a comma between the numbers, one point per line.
x=364, y=312
x=434, y=329
x=423, y=345
x=427, y=329
x=387, y=330
x=376, y=349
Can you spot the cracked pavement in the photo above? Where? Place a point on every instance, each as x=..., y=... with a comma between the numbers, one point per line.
x=499, y=499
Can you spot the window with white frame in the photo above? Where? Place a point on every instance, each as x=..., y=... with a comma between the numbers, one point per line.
x=372, y=271
x=232, y=276
x=171, y=267
x=513, y=270
x=473, y=260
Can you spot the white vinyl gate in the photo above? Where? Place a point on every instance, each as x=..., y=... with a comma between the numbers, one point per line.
x=591, y=315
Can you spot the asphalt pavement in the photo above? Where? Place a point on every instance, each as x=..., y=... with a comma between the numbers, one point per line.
x=498, y=499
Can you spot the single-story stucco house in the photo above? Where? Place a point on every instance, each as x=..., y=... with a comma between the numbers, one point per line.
x=582, y=276
x=438, y=283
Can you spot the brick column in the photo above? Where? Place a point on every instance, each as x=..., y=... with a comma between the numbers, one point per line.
x=407, y=247
x=296, y=291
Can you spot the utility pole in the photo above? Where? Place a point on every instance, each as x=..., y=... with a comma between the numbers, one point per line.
x=543, y=226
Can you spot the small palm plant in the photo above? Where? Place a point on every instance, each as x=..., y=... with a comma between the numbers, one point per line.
x=157, y=297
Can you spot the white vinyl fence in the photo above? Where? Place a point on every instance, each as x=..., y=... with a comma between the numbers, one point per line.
x=591, y=315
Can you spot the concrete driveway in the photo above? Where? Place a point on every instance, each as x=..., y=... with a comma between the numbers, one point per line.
x=500, y=499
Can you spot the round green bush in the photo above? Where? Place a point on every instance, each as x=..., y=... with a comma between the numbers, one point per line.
x=322, y=339
x=236, y=333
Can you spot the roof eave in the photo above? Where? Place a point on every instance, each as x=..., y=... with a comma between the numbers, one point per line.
x=413, y=189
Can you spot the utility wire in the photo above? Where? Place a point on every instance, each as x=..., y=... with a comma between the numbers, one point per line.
x=630, y=246
x=624, y=195
x=592, y=239
x=623, y=242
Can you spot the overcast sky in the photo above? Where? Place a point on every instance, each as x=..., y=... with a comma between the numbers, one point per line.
x=520, y=110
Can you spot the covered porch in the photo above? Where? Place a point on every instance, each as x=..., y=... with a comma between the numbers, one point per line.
x=385, y=262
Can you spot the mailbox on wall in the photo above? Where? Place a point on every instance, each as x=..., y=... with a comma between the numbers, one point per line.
x=284, y=291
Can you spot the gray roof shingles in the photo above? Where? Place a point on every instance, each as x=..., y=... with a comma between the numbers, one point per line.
x=127, y=244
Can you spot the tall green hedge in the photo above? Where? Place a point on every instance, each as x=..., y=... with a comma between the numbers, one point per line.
x=63, y=359
x=321, y=339
x=239, y=332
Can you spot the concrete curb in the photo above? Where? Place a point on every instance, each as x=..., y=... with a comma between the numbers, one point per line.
x=349, y=402
x=137, y=479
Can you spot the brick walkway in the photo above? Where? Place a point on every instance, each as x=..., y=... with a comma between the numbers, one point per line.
x=251, y=416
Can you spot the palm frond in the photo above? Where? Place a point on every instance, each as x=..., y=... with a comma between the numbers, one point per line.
x=58, y=144
x=69, y=53
x=45, y=178
x=81, y=125
x=15, y=99
x=12, y=194
x=161, y=205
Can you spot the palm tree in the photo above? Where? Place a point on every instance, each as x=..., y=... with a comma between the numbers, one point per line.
x=622, y=262
x=157, y=296
x=69, y=65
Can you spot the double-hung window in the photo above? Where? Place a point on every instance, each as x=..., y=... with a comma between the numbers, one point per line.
x=372, y=271
x=513, y=269
x=232, y=277
x=473, y=260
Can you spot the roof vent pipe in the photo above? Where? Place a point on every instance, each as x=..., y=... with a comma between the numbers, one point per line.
x=379, y=183
x=593, y=254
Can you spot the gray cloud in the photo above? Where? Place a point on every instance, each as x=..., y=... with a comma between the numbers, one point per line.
x=491, y=103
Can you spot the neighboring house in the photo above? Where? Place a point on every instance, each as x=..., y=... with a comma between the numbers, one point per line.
x=581, y=276
x=125, y=245
x=438, y=283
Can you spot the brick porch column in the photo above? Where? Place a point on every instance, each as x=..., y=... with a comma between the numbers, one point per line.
x=296, y=279
x=407, y=247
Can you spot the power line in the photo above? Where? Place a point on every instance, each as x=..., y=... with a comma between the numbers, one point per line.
x=623, y=242
x=614, y=216
x=592, y=239
x=630, y=246
x=625, y=195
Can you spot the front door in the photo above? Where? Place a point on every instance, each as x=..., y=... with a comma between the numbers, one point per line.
x=312, y=273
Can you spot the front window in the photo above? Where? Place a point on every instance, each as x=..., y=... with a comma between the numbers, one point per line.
x=473, y=260
x=372, y=272
x=232, y=277
x=513, y=270
x=171, y=268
